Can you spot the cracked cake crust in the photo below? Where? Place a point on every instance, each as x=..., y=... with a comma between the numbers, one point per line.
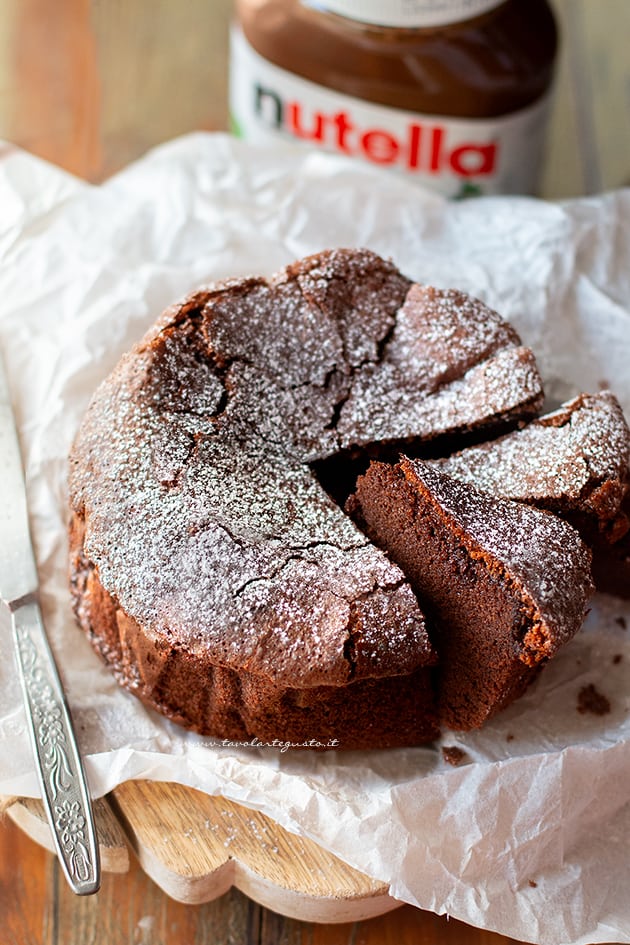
x=209, y=567
x=575, y=462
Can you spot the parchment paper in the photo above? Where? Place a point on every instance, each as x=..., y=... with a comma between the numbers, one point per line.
x=531, y=836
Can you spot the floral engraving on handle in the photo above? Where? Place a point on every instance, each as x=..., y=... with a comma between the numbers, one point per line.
x=47, y=718
x=51, y=736
x=71, y=823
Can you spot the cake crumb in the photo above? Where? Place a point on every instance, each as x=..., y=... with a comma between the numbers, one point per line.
x=509, y=737
x=621, y=621
x=453, y=755
x=593, y=701
x=532, y=883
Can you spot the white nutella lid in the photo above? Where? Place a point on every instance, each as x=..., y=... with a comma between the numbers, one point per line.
x=406, y=13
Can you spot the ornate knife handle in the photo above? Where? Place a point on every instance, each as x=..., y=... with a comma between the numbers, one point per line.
x=64, y=786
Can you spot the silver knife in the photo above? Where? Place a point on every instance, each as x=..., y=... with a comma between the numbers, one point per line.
x=61, y=776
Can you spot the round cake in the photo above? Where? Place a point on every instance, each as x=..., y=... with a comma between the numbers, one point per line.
x=209, y=567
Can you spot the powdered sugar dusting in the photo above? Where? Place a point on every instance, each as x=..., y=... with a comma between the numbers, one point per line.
x=537, y=549
x=440, y=334
x=574, y=458
x=382, y=406
x=202, y=515
x=450, y=363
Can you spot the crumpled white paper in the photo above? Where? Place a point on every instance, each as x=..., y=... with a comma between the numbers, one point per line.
x=530, y=837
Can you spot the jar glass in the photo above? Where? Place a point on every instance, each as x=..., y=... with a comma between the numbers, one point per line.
x=481, y=71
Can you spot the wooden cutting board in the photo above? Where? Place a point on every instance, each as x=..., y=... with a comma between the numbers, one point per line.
x=195, y=847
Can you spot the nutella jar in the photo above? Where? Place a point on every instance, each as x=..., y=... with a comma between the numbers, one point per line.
x=453, y=93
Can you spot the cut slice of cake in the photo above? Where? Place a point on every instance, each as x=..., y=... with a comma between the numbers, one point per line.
x=503, y=585
x=574, y=461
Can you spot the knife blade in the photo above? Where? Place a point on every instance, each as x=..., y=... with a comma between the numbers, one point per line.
x=60, y=771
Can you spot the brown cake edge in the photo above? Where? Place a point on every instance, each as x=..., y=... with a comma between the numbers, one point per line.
x=241, y=707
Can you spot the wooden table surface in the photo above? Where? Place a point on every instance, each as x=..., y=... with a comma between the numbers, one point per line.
x=91, y=85
x=37, y=908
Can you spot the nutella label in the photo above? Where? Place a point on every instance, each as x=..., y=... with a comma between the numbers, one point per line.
x=406, y=13
x=457, y=157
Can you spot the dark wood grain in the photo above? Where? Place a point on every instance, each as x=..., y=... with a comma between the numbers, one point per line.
x=37, y=908
x=27, y=877
x=92, y=85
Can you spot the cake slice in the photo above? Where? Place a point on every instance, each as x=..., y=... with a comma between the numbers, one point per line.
x=574, y=461
x=503, y=585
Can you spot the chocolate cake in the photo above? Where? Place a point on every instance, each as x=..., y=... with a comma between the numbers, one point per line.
x=503, y=585
x=209, y=568
x=575, y=462
x=611, y=561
